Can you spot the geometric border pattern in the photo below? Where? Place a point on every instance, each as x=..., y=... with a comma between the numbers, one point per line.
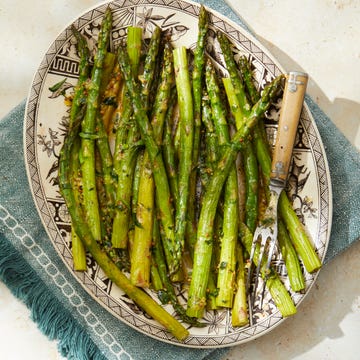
x=246, y=43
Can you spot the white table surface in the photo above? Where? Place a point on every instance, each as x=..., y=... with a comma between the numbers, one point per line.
x=321, y=37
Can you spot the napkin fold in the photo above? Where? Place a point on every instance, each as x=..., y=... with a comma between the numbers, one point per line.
x=31, y=268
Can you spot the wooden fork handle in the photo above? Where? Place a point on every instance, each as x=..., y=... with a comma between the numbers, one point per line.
x=293, y=98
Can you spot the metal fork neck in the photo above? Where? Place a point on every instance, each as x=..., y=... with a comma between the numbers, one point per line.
x=277, y=185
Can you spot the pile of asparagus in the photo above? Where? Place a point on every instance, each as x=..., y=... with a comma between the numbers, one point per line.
x=165, y=170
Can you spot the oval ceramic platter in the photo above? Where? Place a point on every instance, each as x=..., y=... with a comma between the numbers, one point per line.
x=45, y=126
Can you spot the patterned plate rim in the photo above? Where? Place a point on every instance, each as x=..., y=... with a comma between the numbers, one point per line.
x=237, y=34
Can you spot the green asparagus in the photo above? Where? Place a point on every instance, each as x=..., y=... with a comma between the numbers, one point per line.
x=141, y=262
x=197, y=90
x=203, y=249
x=163, y=197
x=111, y=270
x=126, y=148
x=79, y=98
x=226, y=267
x=88, y=131
x=186, y=123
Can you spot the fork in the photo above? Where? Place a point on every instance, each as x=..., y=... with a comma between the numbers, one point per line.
x=265, y=234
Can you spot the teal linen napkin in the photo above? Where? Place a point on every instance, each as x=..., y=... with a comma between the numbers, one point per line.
x=33, y=271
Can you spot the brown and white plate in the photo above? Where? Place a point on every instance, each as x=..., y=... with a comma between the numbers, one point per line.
x=45, y=126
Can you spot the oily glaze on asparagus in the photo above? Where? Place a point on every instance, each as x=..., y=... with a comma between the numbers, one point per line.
x=197, y=91
x=126, y=148
x=143, y=208
x=251, y=166
x=203, y=248
x=168, y=148
x=299, y=238
x=242, y=110
x=141, y=259
x=228, y=239
x=79, y=99
x=88, y=131
x=111, y=270
x=186, y=123
x=163, y=196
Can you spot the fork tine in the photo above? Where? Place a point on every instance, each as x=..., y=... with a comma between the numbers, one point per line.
x=255, y=241
x=264, y=240
x=251, y=261
x=271, y=249
x=254, y=245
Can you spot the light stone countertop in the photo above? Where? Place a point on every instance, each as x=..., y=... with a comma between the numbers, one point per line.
x=320, y=37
